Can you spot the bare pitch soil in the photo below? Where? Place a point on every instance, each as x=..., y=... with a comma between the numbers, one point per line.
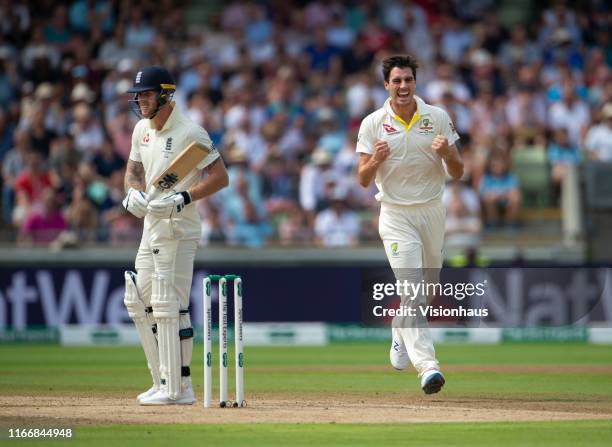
x=305, y=408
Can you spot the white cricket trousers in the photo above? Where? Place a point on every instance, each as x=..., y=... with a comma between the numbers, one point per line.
x=413, y=237
x=172, y=258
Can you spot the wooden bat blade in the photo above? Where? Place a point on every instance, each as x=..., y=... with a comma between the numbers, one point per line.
x=182, y=165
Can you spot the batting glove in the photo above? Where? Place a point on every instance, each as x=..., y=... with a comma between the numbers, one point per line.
x=169, y=206
x=136, y=202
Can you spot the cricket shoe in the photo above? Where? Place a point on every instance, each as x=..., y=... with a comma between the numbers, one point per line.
x=187, y=397
x=432, y=381
x=150, y=392
x=398, y=353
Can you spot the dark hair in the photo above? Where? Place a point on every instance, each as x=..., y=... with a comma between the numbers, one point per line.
x=399, y=62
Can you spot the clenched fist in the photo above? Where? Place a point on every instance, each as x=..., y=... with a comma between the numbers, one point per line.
x=169, y=206
x=440, y=146
x=381, y=151
x=136, y=202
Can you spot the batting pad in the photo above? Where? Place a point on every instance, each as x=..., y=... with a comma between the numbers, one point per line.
x=136, y=309
x=166, y=312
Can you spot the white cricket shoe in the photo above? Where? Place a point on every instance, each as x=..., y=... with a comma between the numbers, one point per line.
x=161, y=397
x=432, y=381
x=150, y=392
x=398, y=353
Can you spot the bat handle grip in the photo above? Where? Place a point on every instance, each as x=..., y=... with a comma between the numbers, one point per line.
x=153, y=193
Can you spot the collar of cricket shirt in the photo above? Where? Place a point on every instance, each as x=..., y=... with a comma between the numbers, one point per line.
x=415, y=118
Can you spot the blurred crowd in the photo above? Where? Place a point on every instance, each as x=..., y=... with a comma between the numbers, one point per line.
x=281, y=88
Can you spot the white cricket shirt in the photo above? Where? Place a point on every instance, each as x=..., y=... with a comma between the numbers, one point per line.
x=413, y=173
x=156, y=150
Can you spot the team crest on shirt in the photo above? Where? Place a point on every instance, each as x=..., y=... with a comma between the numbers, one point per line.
x=394, y=249
x=146, y=139
x=426, y=125
x=390, y=129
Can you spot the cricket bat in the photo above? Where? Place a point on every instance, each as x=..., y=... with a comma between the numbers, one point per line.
x=182, y=165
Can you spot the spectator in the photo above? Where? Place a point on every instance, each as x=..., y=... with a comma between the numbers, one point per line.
x=571, y=114
x=488, y=116
x=332, y=134
x=138, y=33
x=337, y=225
x=58, y=31
x=500, y=193
x=519, y=49
x=13, y=165
x=294, y=229
x=463, y=223
x=561, y=155
x=212, y=227
x=40, y=135
x=278, y=186
x=9, y=78
x=246, y=217
x=312, y=181
x=82, y=214
x=598, y=141
x=320, y=54
x=115, y=50
x=39, y=59
x=456, y=39
x=239, y=168
x=445, y=82
x=63, y=81
x=120, y=130
x=43, y=226
x=29, y=186
x=106, y=161
x=87, y=133
x=6, y=134
x=525, y=110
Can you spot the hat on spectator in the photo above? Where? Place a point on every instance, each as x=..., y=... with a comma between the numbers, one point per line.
x=321, y=157
x=561, y=36
x=325, y=114
x=82, y=92
x=234, y=116
x=480, y=58
x=237, y=154
x=44, y=91
x=125, y=65
x=123, y=86
x=339, y=194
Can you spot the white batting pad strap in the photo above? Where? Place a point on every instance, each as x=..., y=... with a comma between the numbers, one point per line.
x=166, y=312
x=136, y=309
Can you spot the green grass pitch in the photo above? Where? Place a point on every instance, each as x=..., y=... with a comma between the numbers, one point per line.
x=557, y=376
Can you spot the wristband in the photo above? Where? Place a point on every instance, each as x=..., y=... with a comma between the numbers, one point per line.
x=186, y=197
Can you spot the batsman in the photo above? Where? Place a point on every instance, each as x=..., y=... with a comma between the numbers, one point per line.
x=157, y=294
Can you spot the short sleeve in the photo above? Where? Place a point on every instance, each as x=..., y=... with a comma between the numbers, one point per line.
x=448, y=129
x=365, y=138
x=135, y=151
x=201, y=136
